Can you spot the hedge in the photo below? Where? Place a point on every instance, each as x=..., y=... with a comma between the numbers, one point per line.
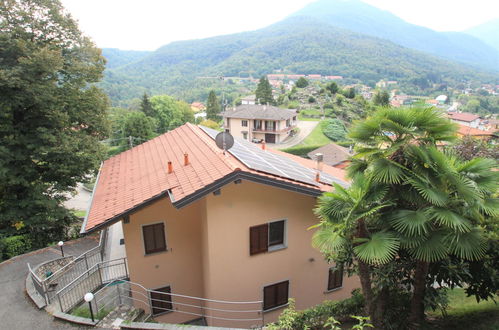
x=301, y=151
x=15, y=245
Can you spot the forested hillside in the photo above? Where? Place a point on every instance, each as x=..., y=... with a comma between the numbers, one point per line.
x=117, y=57
x=295, y=45
x=361, y=17
x=487, y=32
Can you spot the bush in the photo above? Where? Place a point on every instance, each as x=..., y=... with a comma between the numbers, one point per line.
x=311, y=99
x=302, y=82
x=15, y=245
x=210, y=124
x=316, y=317
x=334, y=129
x=300, y=151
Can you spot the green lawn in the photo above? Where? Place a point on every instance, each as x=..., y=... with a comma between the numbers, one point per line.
x=315, y=138
x=79, y=213
x=465, y=313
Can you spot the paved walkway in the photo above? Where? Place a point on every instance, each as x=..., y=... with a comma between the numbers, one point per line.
x=18, y=311
x=306, y=127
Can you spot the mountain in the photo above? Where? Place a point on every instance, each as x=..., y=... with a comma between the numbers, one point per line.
x=117, y=57
x=487, y=32
x=295, y=45
x=361, y=17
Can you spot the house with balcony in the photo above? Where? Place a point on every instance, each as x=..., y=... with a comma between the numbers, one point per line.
x=218, y=236
x=254, y=122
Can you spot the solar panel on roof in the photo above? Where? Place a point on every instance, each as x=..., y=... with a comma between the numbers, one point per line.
x=268, y=162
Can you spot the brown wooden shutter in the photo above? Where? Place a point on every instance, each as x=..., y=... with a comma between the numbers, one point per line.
x=269, y=297
x=161, y=301
x=259, y=239
x=282, y=293
x=159, y=237
x=148, y=232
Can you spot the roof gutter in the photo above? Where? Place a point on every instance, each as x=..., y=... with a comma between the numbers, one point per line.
x=85, y=220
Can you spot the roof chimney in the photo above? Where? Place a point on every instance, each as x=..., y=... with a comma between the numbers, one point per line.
x=318, y=176
x=263, y=144
x=186, y=159
x=170, y=167
x=319, y=158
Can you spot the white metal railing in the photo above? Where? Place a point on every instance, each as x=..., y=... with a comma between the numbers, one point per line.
x=123, y=292
x=66, y=274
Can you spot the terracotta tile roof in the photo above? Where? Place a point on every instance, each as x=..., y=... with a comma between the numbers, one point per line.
x=462, y=116
x=466, y=130
x=139, y=175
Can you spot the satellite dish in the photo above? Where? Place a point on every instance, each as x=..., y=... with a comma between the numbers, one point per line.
x=224, y=140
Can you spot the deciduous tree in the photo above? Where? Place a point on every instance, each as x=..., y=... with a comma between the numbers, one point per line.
x=52, y=115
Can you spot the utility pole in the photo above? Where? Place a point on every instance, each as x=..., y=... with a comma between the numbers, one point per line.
x=130, y=141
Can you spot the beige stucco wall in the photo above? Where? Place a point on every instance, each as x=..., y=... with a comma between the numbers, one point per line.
x=210, y=252
x=236, y=129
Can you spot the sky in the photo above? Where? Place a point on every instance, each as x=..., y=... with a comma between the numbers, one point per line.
x=149, y=24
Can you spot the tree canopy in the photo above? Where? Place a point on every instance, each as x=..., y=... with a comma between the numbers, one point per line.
x=213, y=107
x=52, y=115
x=263, y=92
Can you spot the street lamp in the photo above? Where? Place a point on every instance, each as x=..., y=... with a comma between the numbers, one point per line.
x=88, y=298
x=60, y=244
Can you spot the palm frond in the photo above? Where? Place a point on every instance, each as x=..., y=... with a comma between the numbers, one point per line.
x=449, y=219
x=384, y=171
x=380, y=248
x=410, y=223
x=429, y=193
x=328, y=239
x=431, y=249
x=469, y=246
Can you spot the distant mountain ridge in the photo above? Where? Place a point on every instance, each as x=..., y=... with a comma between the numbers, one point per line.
x=488, y=32
x=361, y=17
x=298, y=44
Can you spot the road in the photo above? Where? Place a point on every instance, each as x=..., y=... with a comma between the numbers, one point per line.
x=306, y=127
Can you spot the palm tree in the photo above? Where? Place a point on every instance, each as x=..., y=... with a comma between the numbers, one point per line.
x=407, y=198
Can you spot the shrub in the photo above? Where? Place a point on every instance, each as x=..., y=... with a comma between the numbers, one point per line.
x=300, y=151
x=318, y=316
x=15, y=245
x=334, y=129
x=210, y=124
x=311, y=99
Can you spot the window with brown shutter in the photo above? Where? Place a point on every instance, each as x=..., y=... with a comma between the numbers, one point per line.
x=259, y=239
x=154, y=238
x=335, y=279
x=161, y=300
x=275, y=295
x=269, y=236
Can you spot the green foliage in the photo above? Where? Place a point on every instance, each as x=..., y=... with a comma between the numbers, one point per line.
x=318, y=316
x=213, y=107
x=263, y=92
x=334, y=129
x=311, y=99
x=138, y=128
x=170, y=113
x=52, y=117
x=301, y=83
x=381, y=98
x=84, y=311
x=146, y=106
x=210, y=124
x=301, y=150
x=15, y=245
x=333, y=87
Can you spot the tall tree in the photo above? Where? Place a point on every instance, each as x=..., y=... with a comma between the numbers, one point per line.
x=137, y=128
x=381, y=98
x=170, y=113
x=302, y=83
x=52, y=115
x=263, y=92
x=213, y=107
x=146, y=106
x=417, y=206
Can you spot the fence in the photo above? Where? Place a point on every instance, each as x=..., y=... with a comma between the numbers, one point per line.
x=89, y=281
x=65, y=275
x=122, y=292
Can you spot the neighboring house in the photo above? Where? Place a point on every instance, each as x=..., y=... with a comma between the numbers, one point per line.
x=333, y=155
x=441, y=99
x=251, y=99
x=198, y=107
x=260, y=122
x=476, y=133
x=464, y=118
x=226, y=226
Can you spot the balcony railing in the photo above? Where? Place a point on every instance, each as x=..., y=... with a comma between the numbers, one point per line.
x=270, y=130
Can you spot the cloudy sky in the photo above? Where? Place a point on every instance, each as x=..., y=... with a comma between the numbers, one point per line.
x=149, y=24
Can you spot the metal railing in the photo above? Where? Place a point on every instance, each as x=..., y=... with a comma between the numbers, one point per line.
x=47, y=287
x=123, y=292
x=89, y=281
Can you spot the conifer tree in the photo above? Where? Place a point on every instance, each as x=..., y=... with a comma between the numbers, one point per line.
x=263, y=92
x=213, y=107
x=146, y=106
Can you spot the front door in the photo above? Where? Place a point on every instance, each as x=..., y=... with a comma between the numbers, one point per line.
x=270, y=138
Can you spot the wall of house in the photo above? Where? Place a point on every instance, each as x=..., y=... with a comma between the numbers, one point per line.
x=235, y=275
x=181, y=266
x=236, y=129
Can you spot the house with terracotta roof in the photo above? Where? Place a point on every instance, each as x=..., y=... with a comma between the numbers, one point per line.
x=217, y=235
x=198, y=107
x=477, y=133
x=332, y=155
x=255, y=122
x=465, y=118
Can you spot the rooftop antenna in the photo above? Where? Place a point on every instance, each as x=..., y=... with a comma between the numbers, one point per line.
x=224, y=141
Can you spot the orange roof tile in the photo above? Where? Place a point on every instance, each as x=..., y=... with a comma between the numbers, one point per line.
x=466, y=130
x=140, y=175
x=462, y=116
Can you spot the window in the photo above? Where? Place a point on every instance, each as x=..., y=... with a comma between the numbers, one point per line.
x=161, y=300
x=269, y=236
x=154, y=238
x=275, y=295
x=245, y=135
x=335, y=279
x=244, y=123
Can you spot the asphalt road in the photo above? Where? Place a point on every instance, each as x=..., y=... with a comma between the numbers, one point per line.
x=17, y=311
